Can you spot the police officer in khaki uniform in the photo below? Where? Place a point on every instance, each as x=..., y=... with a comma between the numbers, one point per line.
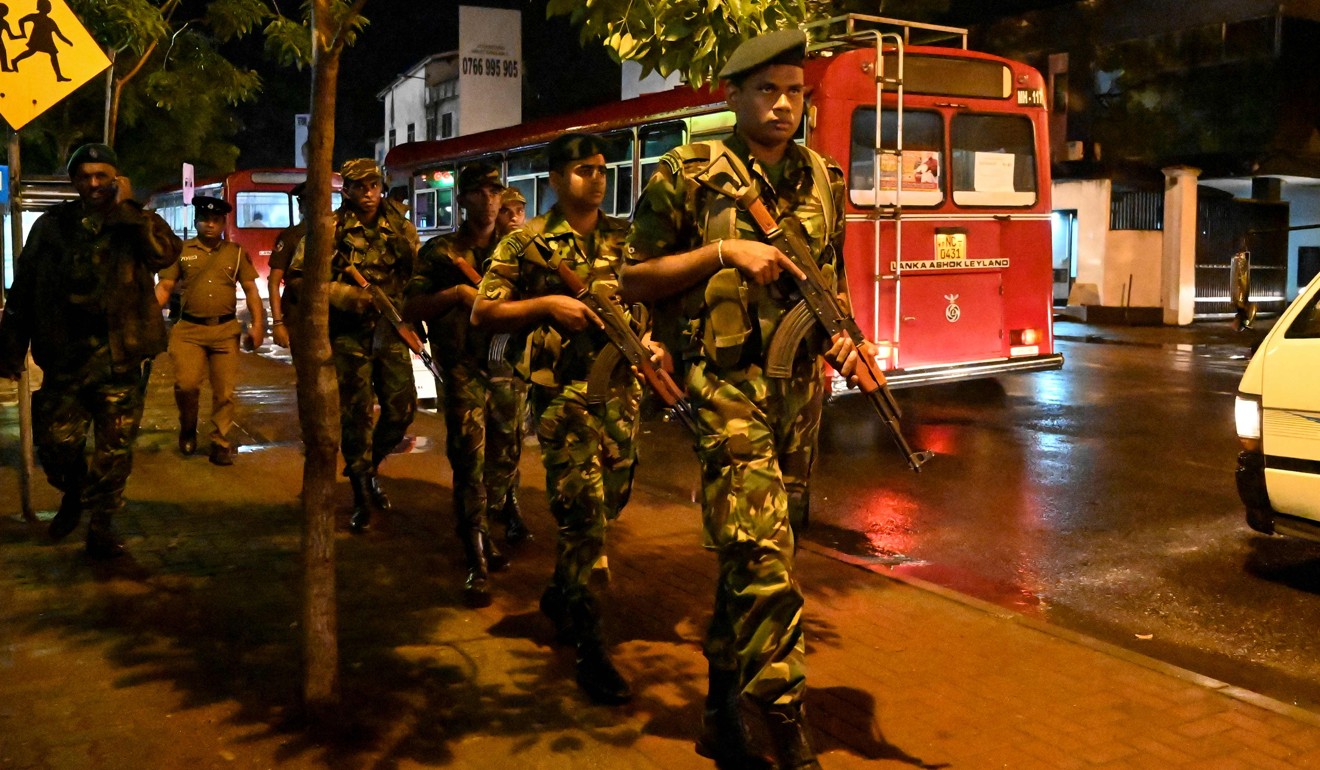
x=204, y=343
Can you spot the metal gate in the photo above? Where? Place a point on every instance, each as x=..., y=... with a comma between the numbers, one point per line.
x=1226, y=225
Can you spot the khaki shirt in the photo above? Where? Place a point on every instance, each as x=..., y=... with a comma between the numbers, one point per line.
x=208, y=276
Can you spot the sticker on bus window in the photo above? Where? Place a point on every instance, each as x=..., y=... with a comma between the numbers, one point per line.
x=921, y=171
x=994, y=172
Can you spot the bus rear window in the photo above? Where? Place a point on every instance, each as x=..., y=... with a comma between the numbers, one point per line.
x=263, y=209
x=994, y=161
x=923, y=159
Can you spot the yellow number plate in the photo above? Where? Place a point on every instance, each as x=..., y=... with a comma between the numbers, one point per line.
x=950, y=247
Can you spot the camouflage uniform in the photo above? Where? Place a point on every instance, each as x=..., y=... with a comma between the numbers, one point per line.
x=756, y=458
x=588, y=449
x=372, y=361
x=483, y=400
x=83, y=297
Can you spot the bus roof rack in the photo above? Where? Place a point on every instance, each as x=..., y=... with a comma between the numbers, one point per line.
x=857, y=29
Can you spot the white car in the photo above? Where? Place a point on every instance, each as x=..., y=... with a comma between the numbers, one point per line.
x=1278, y=423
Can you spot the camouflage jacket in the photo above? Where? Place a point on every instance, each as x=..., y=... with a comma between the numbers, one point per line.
x=385, y=256
x=452, y=335
x=84, y=281
x=676, y=214
x=525, y=265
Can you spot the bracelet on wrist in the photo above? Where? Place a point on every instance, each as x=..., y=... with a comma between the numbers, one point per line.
x=719, y=251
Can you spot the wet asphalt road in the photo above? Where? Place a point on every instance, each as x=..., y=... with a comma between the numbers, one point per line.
x=1100, y=498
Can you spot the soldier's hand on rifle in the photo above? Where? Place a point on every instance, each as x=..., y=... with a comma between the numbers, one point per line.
x=346, y=297
x=845, y=357
x=571, y=313
x=660, y=357
x=760, y=262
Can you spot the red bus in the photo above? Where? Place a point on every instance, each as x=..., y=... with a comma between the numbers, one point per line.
x=948, y=248
x=263, y=206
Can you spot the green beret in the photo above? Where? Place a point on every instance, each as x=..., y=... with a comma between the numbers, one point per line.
x=571, y=147
x=92, y=153
x=477, y=175
x=360, y=168
x=205, y=204
x=785, y=46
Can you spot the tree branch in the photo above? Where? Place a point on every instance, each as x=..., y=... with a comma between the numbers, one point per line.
x=341, y=37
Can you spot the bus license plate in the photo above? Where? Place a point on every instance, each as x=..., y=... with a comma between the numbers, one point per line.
x=950, y=247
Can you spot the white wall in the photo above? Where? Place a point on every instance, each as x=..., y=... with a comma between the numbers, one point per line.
x=1133, y=256
x=409, y=99
x=1090, y=199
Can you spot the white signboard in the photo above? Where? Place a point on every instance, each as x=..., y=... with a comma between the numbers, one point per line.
x=489, y=68
x=301, y=127
x=189, y=181
x=994, y=172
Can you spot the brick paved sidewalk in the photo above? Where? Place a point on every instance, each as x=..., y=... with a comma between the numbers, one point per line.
x=187, y=657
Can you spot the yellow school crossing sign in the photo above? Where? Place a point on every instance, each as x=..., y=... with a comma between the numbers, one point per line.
x=45, y=56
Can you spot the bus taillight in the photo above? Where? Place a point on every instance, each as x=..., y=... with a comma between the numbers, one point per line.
x=1024, y=342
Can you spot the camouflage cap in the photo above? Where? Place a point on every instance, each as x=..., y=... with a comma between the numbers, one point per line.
x=512, y=195
x=785, y=46
x=358, y=169
x=92, y=153
x=477, y=175
x=571, y=147
x=205, y=204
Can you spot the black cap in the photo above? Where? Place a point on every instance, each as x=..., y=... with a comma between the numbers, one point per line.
x=476, y=175
x=92, y=153
x=298, y=190
x=785, y=46
x=205, y=204
x=571, y=147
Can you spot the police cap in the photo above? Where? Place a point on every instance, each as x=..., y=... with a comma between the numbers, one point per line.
x=358, y=169
x=571, y=147
x=206, y=205
x=476, y=175
x=92, y=153
x=512, y=195
x=785, y=46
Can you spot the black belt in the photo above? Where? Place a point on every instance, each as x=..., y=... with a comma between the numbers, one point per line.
x=214, y=321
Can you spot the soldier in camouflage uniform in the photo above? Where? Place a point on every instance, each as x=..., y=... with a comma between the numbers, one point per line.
x=282, y=283
x=371, y=360
x=84, y=298
x=513, y=211
x=722, y=291
x=587, y=444
x=483, y=399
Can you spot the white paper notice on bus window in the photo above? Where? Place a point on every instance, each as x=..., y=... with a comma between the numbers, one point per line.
x=994, y=172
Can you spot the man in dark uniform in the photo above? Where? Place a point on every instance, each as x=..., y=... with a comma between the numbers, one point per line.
x=204, y=342
x=84, y=298
x=588, y=445
x=726, y=292
x=483, y=399
x=371, y=360
x=284, y=301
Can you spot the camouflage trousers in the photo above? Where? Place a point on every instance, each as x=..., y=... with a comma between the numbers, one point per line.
x=755, y=465
x=483, y=440
x=590, y=454
x=108, y=403
x=373, y=366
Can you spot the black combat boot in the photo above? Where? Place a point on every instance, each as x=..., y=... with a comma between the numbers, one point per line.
x=360, y=521
x=476, y=586
x=70, y=512
x=497, y=561
x=515, y=529
x=187, y=403
x=377, y=495
x=788, y=730
x=596, y=674
x=724, y=735
x=102, y=541
x=554, y=607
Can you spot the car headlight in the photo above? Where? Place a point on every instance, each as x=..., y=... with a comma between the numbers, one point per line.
x=1246, y=416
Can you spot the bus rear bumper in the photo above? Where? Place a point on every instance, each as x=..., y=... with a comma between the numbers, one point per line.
x=908, y=378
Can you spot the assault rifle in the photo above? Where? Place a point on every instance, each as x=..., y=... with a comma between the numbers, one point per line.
x=820, y=305
x=499, y=343
x=391, y=313
x=626, y=346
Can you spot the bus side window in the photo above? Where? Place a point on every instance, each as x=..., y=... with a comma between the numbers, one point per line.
x=994, y=160
x=262, y=209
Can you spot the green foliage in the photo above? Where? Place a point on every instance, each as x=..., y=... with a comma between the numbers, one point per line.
x=696, y=37
x=289, y=41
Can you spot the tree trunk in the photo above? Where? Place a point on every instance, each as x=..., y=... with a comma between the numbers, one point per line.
x=318, y=390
